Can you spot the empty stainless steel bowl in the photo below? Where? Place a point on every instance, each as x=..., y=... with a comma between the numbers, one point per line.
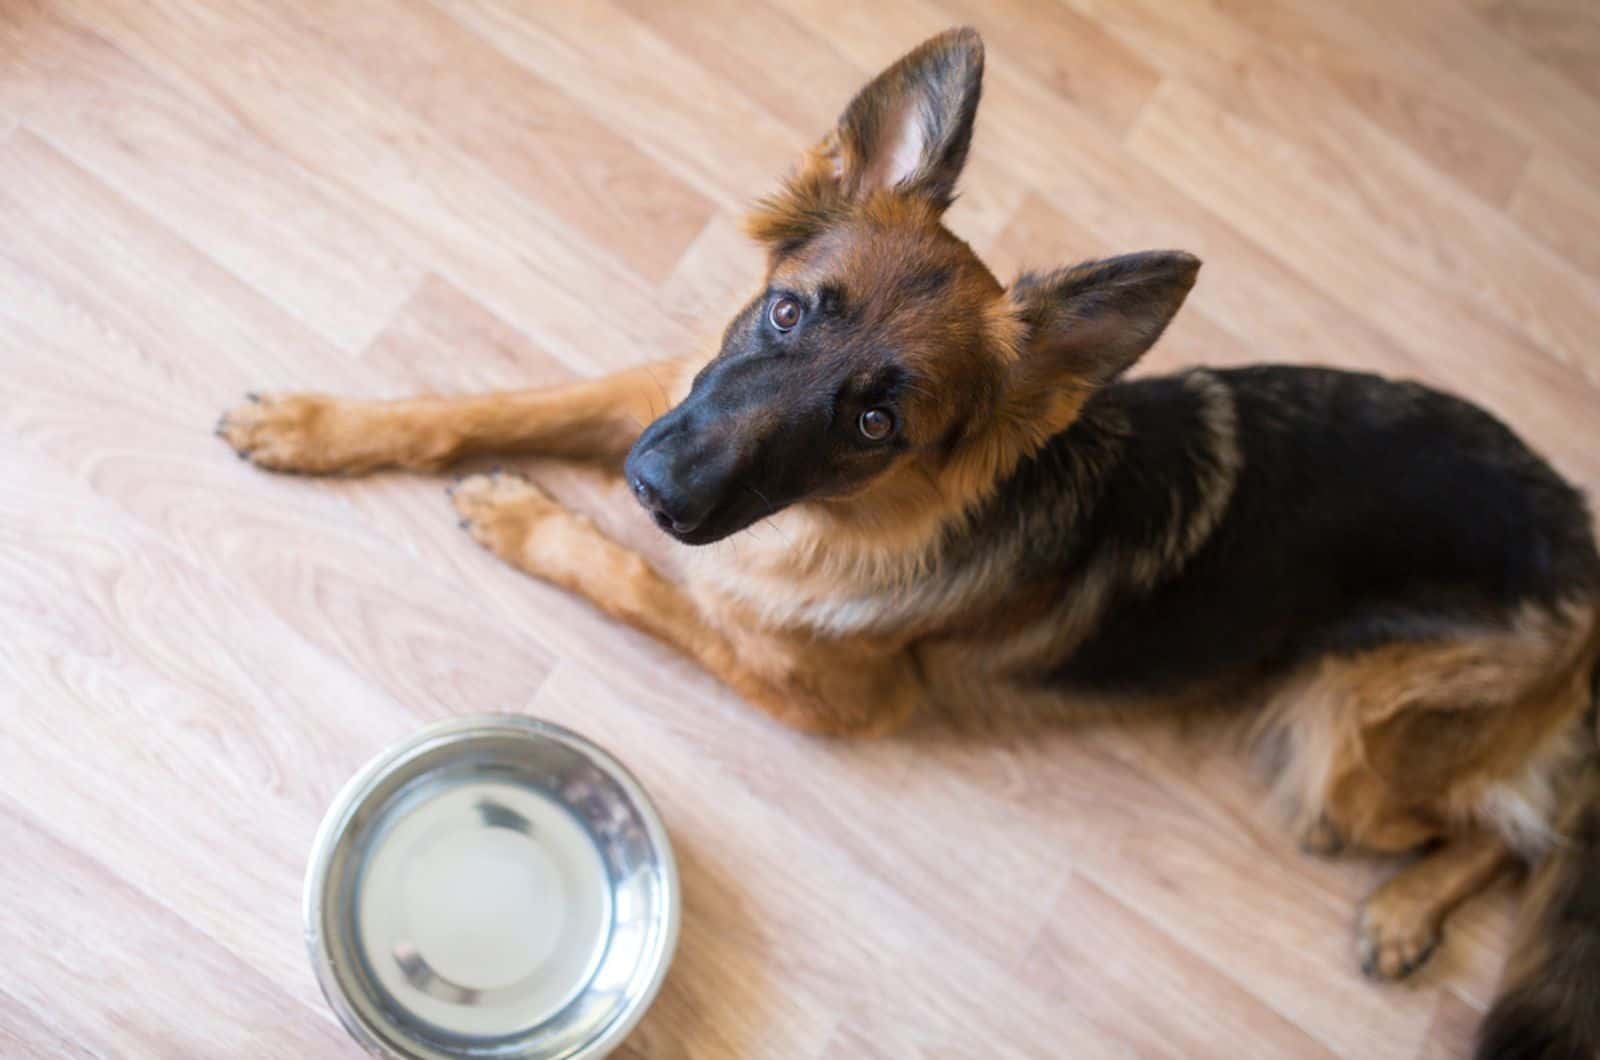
x=495, y=886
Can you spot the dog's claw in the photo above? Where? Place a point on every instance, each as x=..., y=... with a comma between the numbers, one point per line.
x=253, y=397
x=1372, y=960
x=1322, y=840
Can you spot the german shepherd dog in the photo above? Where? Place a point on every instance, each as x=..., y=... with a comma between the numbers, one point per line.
x=1398, y=599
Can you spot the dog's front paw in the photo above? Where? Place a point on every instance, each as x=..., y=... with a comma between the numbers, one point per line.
x=502, y=510
x=280, y=433
x=1395, y=936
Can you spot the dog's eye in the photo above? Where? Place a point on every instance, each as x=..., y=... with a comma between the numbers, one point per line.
x=876, y=424
x=784, y=314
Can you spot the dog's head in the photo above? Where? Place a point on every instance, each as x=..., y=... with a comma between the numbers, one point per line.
x=880, y=349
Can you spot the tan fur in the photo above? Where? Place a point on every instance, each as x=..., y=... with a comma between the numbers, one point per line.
x=838, y=687
x=1410, y=742
x=1220, y=461
x=591, y=420
x=1399, y=924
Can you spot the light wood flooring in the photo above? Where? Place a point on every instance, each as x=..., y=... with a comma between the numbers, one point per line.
x=203, y=198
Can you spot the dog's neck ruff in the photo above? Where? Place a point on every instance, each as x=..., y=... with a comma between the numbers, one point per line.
x=808, y=569
x=795, y=571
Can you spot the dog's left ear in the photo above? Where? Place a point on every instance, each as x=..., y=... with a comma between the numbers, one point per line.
x=1083, y=326
x=910, y=128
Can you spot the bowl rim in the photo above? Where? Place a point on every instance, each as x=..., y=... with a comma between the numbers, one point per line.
x=352, y=797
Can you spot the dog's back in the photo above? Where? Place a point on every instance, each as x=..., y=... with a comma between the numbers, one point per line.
x=1260, y=517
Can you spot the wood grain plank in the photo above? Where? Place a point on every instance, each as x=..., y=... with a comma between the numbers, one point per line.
x=271, y=224
x=1562, y=210
x=1219, y=879
x=806, y=77
x=718, y=138
x=411, y=633
x=479, y=226
x=746, y=51
x=1272, y=67
x=1466, y=144
x=1204, y=44
x=441, y=341
x=19, y=23
x=755, y=975
x=25, y=1035
x=1184, y=132
x=1073, y=56
x=1111, y=961
x=1462, y=143
x=1399, y=203
x=159, y=709
x=1563, y=35
x=944, y=1014
x=136, y=1012
x=696, y=122
x=1453, y=1031
x=1448, y=44
x=516, y=125
x=721, y=271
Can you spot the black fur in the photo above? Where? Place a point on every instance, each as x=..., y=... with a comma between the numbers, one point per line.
x=1096, y=318
x=773, y=418
x=1553, y=1012
x=1363, y=511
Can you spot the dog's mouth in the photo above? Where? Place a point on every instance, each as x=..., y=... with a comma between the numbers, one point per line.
x=688, y=535
x=723, y=521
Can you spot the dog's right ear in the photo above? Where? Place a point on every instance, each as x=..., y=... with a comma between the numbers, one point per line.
x=1083, y=326
x=908, y=131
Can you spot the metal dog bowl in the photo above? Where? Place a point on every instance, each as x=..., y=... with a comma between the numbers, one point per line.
x=494, y=886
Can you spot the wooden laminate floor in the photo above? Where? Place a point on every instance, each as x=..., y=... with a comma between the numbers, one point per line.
x=200, y=198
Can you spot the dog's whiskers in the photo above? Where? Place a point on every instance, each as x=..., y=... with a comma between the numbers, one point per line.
x=666, y=400
x=766, y=520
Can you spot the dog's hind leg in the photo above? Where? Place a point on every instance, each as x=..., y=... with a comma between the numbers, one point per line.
x=1399, y=925
x=595, y=420
x=1463, y=742
x=826, y=687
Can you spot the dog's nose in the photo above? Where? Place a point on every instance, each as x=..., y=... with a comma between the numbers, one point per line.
x=652, y=484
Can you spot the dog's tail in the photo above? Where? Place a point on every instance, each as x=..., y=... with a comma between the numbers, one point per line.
x=1549, y=1003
